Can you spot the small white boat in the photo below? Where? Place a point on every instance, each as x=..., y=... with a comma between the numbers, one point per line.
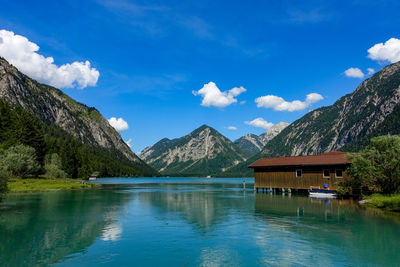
x=93, y=177
x=323, y=193
x=208, y=176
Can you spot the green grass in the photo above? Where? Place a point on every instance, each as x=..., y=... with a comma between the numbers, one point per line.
x=386, y=202
x=40, y=185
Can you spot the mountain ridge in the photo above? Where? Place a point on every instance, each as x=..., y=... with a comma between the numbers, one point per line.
x=204, y=151
x=54, y=107
x=350, y=118
x=372, y=109
x=251, y=144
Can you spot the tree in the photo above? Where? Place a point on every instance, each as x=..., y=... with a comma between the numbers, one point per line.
x=30, y=133
x=378, y=166
x=19, y=161
x=3, y=181
x=3, y=173
x=53, y=166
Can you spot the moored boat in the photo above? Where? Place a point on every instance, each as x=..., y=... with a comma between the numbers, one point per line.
x=323, y=193
x=93, y=177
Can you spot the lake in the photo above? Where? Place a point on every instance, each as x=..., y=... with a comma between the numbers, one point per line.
x=191, y=222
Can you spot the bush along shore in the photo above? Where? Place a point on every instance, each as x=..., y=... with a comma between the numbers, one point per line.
x=376, y=169
x=18, y=185
x=384, y=202
x=20, y=172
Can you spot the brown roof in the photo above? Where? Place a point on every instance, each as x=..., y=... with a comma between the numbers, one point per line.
x=330, y=158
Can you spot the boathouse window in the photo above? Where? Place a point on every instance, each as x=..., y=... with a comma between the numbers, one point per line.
x=299, y=173
x=339, y=173
x=326, y=173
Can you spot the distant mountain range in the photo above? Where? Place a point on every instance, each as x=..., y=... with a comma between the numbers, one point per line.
x=251, y=144
x=373, y=109
x=69, y=118
x=202, y=152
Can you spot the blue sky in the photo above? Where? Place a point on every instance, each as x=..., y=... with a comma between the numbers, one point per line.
x=154, y=57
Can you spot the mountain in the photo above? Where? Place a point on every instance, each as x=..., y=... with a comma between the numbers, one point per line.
x=203, y=152
x=373, y=109
x=272, y=132
x=351, y=119
x=251, y=144
x=56, y=109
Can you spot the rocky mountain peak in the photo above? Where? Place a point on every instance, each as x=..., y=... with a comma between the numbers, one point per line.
x=272, y=132
x=251, y=144
x=203, y=151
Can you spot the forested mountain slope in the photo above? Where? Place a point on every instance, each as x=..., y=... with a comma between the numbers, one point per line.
x=373, y=109
x=79, y=134
x=55, y=107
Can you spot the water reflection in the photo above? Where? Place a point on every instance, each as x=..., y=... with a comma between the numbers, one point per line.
x=40, y=229
x=204, y=205
x=190, y=222
x=112, y=232
x=298, y=205
x=328, y=228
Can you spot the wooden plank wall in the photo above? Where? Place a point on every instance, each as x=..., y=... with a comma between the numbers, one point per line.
x=286, y=177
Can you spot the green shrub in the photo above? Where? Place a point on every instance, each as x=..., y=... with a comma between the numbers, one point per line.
x=378, y=166
x=3, y=181
x=53, y=171
x=388, y=202
x=53, y=166
x=19, y=161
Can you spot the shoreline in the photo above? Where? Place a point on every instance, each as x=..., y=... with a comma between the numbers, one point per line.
x=389, y=203
x=16, y=185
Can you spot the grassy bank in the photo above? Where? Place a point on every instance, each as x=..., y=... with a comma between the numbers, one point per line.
x=385, y=202
x=40, y=185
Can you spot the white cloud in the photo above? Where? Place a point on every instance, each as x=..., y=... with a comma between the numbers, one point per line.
x=260, y=123
x=370, y=71
x=129, y=142
x=232, y=128
x=119, y=124
x=354, y=73
x=22, y=53
x=389, y=51
x=212, y=96
x=279, y=104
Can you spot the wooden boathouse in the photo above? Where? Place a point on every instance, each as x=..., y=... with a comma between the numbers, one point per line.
x=301, y=172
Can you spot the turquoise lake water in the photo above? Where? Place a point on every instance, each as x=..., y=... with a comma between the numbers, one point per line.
x=191, y=222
